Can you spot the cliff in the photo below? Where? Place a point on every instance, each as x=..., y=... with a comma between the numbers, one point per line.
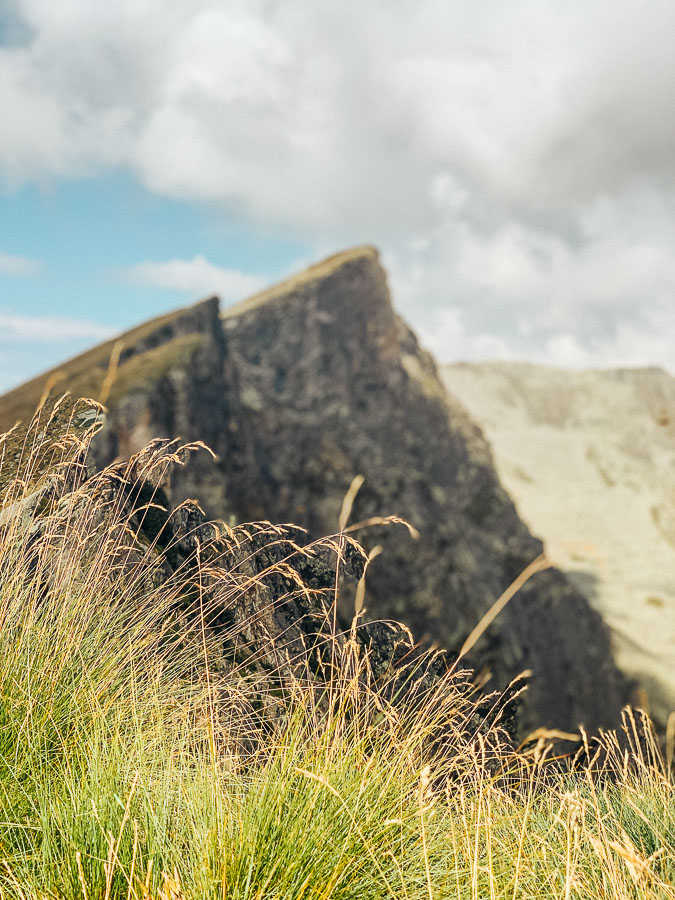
x=589, y=458
x=310, y=383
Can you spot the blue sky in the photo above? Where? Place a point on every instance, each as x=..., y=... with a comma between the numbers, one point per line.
x=71, y=264
x=514, y=163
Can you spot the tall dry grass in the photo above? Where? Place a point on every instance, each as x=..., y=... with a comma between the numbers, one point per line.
x=123, y=773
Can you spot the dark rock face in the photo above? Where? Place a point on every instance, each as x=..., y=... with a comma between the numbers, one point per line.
x=313, y=382
x=255, y=600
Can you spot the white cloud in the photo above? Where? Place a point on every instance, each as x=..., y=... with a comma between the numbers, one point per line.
x=516, y=162
x=313, y=114
x=627, y=345
x=20, y=266
x=50, y=329
x=196, y=276
x=448, y=338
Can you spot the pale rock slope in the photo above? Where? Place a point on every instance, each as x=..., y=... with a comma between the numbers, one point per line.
x=589, y=458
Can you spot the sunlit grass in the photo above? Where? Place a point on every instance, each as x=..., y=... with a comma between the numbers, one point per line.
x=123, y=773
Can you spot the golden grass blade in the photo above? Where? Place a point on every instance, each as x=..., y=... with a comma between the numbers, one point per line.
x=348, y=501
x=111, y=373
x=670, y=743
x=540, y=564
x=361, y=587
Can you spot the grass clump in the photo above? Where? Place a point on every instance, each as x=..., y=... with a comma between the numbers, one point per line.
x=122, y=773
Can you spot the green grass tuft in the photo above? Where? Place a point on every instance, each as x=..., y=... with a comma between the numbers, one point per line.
x=119, y=778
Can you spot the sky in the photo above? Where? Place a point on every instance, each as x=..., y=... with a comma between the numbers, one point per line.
x=513, y=162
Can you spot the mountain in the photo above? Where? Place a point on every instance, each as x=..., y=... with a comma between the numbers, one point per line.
x=589, y=458
x=310, y=383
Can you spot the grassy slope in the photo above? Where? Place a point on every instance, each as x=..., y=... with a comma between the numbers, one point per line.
x=119, y=776
x=84, y=374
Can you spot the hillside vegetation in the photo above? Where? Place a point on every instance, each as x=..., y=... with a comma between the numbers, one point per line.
x=133, y=764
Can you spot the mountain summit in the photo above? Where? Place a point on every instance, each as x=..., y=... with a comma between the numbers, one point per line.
x=301, y=388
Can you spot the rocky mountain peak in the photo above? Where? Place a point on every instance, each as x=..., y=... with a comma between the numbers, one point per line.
x=346, y=294
x=359, y=263
x=312, y=382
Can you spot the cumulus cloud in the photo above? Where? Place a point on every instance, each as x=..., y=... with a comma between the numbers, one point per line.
x=624, y=345
x=516, y=162
x=20, y=266
x=196, y=276
x=51, y=329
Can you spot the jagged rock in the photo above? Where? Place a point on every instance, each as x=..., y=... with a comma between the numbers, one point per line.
x=311, y=383
x=256, y=599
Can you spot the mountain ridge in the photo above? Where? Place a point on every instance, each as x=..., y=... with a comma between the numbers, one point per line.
x=316, y=381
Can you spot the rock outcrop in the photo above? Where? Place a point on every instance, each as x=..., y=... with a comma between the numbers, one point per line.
x=589, y=458
x=249, y=609
x=313, y=382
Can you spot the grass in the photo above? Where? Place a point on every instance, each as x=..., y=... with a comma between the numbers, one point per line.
x=84, y=375
x=145, y=368
x=121, y=772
